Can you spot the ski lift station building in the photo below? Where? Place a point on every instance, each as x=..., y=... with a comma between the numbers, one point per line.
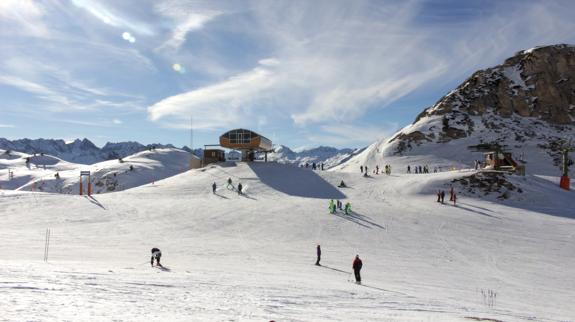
x=246, y=141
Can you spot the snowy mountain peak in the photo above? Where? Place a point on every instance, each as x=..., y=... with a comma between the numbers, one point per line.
x=526, y=105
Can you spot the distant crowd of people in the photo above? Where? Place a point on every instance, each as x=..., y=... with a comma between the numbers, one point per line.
x=313, y=165
x=422, y=169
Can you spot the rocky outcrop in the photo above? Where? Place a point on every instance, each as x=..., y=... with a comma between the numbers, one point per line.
x=537, y=83
x=529, y=99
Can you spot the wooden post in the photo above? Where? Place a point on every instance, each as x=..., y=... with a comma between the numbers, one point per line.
x=81, y=190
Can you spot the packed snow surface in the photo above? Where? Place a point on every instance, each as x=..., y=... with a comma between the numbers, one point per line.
x=232, y=257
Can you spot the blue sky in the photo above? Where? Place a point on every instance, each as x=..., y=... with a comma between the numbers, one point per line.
x=303, y=73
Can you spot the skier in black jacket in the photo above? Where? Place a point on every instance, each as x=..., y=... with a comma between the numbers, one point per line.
x=357, y=264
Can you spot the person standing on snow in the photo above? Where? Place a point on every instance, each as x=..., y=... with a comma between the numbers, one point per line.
x=408, y=169
x=451, y=192
x=230, y=183
x=318, y=249
x=454, y=198
x=214, y=187
x=157, y=254
x=240, y=188
x=361, y=168
x=357, y=264
x=442, y=196
x=438, y=195
x=347, y=208
x=331, y=207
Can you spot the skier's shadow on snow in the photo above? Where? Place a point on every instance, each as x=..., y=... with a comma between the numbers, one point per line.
x=462, y=203
x=359, y=219
x=459, y=205
x=335, y=269
x=247, y=196
x=295, y=181
x=221, y=196
x=95, y=201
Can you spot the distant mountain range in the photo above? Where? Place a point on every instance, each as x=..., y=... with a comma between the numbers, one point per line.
x=329, y=156
x=78, y=151
x=86, y=152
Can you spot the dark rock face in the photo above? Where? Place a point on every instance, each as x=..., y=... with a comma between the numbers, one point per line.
x=536, y=83
x=529, y=99
x=486, y=183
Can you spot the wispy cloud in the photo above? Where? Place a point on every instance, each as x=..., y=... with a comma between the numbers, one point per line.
x=22, y=16
x=185, y=24
x=108, y=16
x=7, y=126
x=218, y=105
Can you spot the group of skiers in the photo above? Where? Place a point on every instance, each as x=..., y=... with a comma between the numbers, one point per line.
x=356, y=265
x=314, y=166
x=452, y=196
x=333, y=206
x=365, y=172
x=229, y=186
x=420, y=169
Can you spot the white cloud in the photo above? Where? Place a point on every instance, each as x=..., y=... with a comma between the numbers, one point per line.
x=117, y=121
x=190, y=22
x=108, y=16
x=22, y=16
x=185, y=17
x=221, y=104
x=7, y=126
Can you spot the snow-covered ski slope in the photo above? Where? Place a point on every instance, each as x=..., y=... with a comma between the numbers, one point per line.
x=250, y=258
x=107, y=176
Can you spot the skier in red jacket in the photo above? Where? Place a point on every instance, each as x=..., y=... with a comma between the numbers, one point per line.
x=357, y=264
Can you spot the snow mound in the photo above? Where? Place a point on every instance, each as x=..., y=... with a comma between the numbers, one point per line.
x=115, y=175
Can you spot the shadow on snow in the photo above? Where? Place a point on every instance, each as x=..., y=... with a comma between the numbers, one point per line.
x=295, y=181
x=359, y=219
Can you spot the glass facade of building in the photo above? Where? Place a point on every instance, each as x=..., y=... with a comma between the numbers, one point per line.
x=240, y=136
x=244, y=139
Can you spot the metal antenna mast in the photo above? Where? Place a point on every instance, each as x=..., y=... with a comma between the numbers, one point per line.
x=192, y=134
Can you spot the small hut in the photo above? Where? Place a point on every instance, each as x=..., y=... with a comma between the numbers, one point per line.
x=501, y=161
